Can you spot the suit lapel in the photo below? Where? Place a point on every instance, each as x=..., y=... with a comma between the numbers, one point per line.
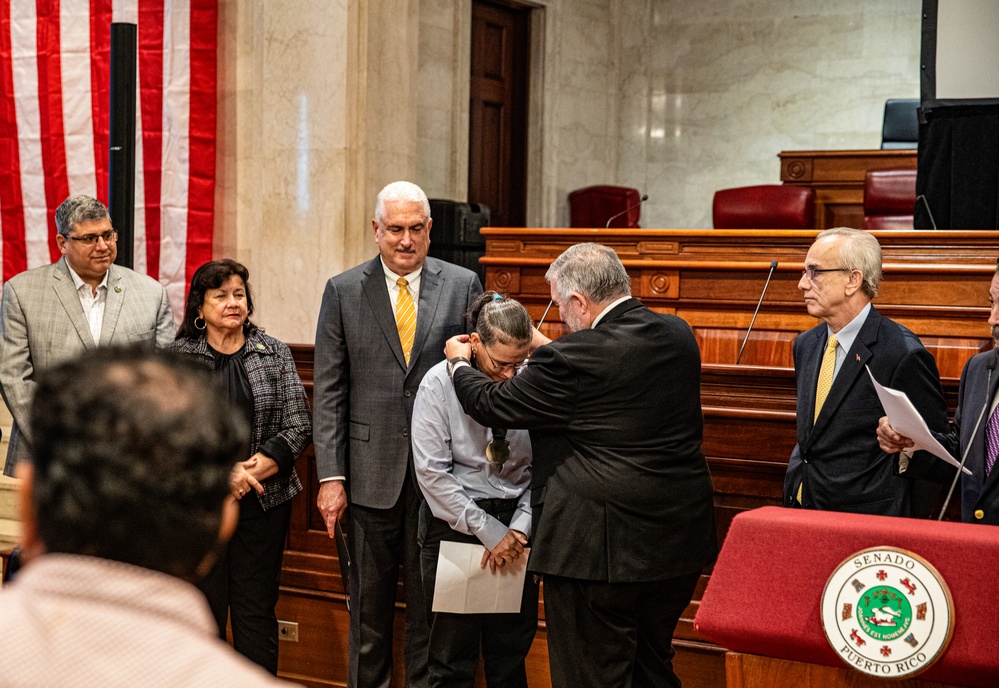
x=852, y=368
x=377, y=294
x=65, y=289
x=812, y=348
x=112, y=306
x=431, y=287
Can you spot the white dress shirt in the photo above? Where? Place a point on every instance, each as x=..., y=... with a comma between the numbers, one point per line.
x=93, y=304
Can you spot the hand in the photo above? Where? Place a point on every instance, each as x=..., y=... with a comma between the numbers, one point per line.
x=332, y=503
x=261, y=466
x=891, y=442
x=459, y=345
x=241, y=481
x=506, y=552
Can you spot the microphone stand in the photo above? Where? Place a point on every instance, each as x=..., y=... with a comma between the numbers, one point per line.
x=773, y=266
x=644, y=198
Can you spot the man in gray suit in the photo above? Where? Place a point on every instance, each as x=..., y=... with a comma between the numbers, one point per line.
x=369, y=361
x=82, y=301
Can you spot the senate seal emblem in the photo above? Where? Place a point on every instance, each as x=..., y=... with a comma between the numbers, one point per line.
x=887, y=612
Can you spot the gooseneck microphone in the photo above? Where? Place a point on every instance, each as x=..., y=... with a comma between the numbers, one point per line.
x=773, y=266
x=644, y=198
x=926, y=204
x=991, y=365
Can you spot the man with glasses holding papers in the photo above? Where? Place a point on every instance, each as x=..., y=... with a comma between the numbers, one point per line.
x=476, y=481
x=837, y=464
x=975, y=431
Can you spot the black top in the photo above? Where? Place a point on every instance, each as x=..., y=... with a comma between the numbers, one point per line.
x=231, y=375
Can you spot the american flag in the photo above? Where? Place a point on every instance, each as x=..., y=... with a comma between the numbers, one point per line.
x=54, y=114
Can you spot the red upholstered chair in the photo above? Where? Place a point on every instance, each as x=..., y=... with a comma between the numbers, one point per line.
x=770, y=206
x=889, y=199
x=594, y=205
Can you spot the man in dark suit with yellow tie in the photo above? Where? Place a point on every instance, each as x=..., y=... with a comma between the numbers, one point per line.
x=382, y=326
x=837, y=464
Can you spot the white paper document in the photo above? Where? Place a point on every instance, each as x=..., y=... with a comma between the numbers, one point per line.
x=464, y=587
x=906, y=421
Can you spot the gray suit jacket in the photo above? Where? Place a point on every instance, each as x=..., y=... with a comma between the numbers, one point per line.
x=43, y=324
x=363, y=392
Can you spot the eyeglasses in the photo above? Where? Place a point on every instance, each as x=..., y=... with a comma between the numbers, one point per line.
x=810, y=273
x=109, y=236
x=501, y=366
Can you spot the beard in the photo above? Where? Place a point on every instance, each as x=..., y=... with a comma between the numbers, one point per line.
x=995, y=336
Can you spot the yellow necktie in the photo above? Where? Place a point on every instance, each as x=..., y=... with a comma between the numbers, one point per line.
x=825, y=375
x=405, y=318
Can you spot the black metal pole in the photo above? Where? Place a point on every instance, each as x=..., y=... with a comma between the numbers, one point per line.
x=121, y=160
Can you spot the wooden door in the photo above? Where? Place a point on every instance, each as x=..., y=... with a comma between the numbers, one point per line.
x=497, y=141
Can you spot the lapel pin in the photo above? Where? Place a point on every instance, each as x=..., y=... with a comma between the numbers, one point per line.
x=858, y=358
x=260, y=346
x=117, y=290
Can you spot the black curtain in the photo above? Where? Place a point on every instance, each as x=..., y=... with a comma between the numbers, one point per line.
x=958, y=168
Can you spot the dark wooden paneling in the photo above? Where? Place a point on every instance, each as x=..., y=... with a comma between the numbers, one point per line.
x=838, y=179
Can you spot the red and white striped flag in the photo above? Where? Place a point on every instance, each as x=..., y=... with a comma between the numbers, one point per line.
x=54, y=114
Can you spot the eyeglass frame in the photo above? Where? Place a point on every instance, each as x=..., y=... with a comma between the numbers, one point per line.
x=501, y=366
x=109, y=237
x=810, y=273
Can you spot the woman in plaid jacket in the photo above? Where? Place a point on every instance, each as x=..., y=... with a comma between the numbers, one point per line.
x=259, y=375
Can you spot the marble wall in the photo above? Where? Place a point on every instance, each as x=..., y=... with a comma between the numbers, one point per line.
x=321, y=104
x=710, y=92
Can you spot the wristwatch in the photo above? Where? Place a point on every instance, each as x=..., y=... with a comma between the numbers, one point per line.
x=453, y=363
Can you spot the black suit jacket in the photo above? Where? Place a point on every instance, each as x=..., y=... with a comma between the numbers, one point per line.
x=631, y=499
x=979, y=494
x=838, y=461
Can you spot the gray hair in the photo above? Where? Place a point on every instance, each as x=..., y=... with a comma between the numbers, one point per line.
x=400, y=191
x=499, y=318
x=77, y=209
x=861, y=252
x=592, y=270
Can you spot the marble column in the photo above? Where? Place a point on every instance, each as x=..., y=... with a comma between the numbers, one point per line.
x=315, y=116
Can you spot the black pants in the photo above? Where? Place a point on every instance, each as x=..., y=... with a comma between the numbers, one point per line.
x=614, y=635
x=380, y=540
x=455, y=639
x=243, y=584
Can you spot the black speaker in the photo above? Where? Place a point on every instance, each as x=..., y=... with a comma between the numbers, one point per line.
x=121, y=160
x=455, y=236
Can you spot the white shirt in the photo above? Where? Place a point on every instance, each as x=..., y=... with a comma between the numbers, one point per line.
x=93, y=305
x=612, y=306
x=70, y=620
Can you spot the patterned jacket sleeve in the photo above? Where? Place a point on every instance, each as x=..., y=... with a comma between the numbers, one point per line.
x=296, y=419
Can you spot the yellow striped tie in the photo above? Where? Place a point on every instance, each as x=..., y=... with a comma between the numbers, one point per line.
x=405, y=318
x=825, y=375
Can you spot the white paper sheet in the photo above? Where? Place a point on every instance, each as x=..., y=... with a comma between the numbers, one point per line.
x=464, y=587
x=906, y=421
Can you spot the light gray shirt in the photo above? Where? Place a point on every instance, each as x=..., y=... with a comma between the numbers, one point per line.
x=449, y=450
x=846, y=336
